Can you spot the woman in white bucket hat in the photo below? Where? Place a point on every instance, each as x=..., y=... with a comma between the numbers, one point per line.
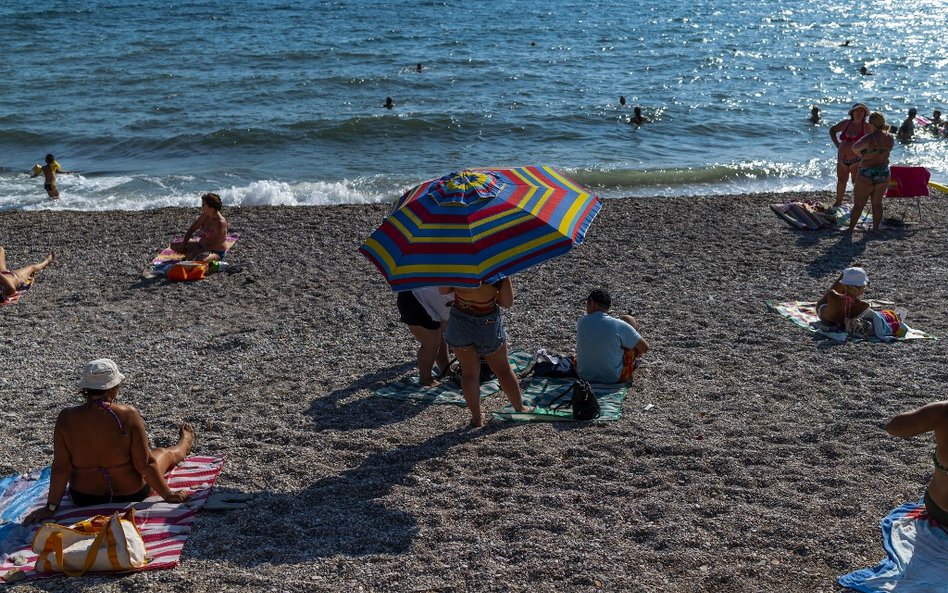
x=843, y=300
x=100, y=449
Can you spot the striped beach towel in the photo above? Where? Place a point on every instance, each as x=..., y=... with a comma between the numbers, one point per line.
x=805, y=216
x=168, y=256
x=542, y=391
x=164, y=526
x=804, y=315
x=916, y=555
x=448, y=392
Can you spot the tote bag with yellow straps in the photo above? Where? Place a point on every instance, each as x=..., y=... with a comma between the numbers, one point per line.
x=101, y=544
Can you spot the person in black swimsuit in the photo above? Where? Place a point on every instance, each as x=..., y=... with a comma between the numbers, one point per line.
x=929, y=418
x=100, y=449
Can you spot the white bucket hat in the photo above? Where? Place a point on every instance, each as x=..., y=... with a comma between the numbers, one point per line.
x=102, y=373
x=854, y=277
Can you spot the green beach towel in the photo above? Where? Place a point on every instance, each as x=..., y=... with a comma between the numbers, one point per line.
x=448, y=392
x=804, y=315
x=542, y=391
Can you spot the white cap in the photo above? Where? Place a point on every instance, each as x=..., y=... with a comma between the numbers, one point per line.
x=102, y=373
x=854, y=277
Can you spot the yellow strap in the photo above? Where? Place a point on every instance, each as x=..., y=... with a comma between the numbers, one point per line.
x=90, y=556
x=114, y=523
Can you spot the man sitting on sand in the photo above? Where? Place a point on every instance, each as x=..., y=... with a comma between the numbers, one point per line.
x=842, y=300
x=211, y=229
x=14, y=280
x=606, y=347
x=49, y=171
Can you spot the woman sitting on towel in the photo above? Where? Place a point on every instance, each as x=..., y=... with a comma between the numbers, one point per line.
x=475, y=330
x=929, y=418
x=100, y=449
x=873, y=177
x=14, y=280
x=211, y=229
x=842, y=300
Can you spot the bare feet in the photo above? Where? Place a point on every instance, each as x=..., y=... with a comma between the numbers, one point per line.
x=49, y=259
x=431, y=383
x=186, y=436
x=477, y=421
x=525, y=409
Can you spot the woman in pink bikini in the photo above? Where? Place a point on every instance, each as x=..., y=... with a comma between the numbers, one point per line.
x=14, y=280
x=844, y=135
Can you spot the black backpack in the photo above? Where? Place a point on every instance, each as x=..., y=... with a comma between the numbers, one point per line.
x=583, y=402
x=453, y=372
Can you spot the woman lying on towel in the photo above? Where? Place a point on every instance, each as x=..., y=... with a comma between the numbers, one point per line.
x=100, y=449
x=842, y=300
x=14, y=280
x=930, y=418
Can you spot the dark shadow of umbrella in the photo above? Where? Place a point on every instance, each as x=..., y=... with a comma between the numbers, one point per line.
x=341, y=514
x=367, y=412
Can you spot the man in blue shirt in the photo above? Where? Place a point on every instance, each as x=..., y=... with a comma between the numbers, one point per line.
x=606, y=347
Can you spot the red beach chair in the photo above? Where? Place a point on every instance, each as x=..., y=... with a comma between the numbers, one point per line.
x=909, y=182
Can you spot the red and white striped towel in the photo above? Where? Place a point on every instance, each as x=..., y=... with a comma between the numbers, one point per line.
x=164, y=527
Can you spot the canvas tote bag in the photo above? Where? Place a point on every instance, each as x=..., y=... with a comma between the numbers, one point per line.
x=102, y=544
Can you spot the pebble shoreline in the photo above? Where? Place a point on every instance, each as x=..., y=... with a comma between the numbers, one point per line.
x=750, y=457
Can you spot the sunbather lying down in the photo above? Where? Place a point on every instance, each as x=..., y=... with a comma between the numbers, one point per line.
x=100, y=449
x=14, y=280
x=843, y=300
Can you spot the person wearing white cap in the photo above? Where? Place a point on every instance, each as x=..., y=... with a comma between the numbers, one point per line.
x=842, y=300
x=100, y=449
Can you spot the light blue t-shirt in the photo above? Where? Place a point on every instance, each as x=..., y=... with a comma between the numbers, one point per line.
x=600, y=340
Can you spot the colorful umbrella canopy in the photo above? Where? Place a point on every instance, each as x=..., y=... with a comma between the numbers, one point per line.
x=479, y=226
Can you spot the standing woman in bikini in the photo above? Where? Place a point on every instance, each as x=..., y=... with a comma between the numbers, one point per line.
x=14, y=280
x=476, y=329
x=100, y=449
x=930, y=418
x=844, y=135
x=873, y=177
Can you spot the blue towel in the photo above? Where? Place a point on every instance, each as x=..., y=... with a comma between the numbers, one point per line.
x=917, y=553
x=18, y=494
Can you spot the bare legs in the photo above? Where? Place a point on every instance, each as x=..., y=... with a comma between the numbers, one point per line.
x=471, y=384
x=172, y=456
x=9, y=285
x=863, y=190
x=844, y=174
x=432, y=349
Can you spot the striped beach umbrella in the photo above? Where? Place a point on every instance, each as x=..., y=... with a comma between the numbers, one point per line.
x=478, y=226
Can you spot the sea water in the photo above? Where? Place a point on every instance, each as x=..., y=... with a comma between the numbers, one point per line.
x=281, y=102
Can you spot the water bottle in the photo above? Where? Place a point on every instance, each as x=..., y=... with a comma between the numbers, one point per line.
x=219, y=266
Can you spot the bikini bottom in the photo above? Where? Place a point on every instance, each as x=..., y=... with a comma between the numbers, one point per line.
x=875, y=175
x=936, y=512
x=83, y=500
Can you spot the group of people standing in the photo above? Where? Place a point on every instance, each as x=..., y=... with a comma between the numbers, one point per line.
x=863, y=145
x=469, y=322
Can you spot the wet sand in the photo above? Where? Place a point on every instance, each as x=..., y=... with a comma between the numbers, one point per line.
x=750, y=457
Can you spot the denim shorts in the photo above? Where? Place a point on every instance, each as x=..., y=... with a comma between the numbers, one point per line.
x=484, y=332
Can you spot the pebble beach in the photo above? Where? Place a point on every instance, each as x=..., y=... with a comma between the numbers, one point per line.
x=750, y=455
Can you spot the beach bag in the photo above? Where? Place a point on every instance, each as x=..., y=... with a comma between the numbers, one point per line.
x=885, y=325
x=187, y=271
x=100, y=544
x=583, y=401
x=453, y=372
x=553, y=365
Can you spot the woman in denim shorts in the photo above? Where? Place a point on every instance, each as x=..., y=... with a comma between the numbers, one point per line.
x=475, y=330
